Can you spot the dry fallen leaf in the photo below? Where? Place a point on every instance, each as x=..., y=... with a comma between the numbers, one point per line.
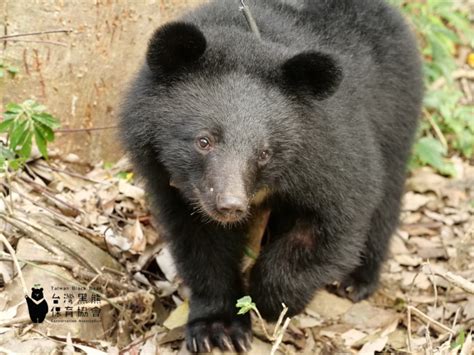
x=135, y=235
x=166, y=263
x=132, y=191
x=352, y=336
x=328, y=305
x=363, y=315
x=424, y=180
x=408, y=260
x=413, y=201
x=374, y=346
x=178, y=317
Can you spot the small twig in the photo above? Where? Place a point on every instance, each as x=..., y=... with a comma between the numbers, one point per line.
x=280, y=319
x=70, y=173
x=15, y=261
x=28, y=231
x=282, y=331
x=262, y=324
x=278, y=331
x=432, y=278
x=74, y=130
x=436, y=128
x=467, y=89
x=410, y=347
x=43, y=191
x=429, y=349
x=91, y=235
x=34, y=33
x=140, y=340
x=439, y=327
x=458, y=281
x=250, y=20
x=65, y=248
x=454, y=325
x=7, y=204
x=54, y=43
x=457, y=74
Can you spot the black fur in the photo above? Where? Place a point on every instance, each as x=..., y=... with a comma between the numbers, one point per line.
x=317, y=72
x=175, y=45
x=321, y=114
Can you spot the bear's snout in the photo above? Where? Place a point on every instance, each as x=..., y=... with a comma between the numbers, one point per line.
x=231, y=204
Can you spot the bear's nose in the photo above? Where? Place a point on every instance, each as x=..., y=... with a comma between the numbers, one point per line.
x=231, y=204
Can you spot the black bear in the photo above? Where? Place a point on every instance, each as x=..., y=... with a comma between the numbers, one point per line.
x=37, y=305
x=313, y=120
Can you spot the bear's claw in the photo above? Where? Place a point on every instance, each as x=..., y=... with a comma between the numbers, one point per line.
x=203, y=335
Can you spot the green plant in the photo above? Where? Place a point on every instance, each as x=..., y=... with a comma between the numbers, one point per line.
x=460, y=339
x=6, y=67
x=23, y=122
x=245, y=305
x=448, y=126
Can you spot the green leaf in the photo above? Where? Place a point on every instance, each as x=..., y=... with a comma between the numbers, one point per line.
x=16, y=164
x=460, y=339
x=46, y=119
x=40, y=140
x=15, y=108
x=6, y=153
x=26, y=145
x=245, y=304
x=6, y=124
x=13, y=70
x=18, y=132
x=108, y=165
x=38, y=108
x=431, y=152
x=249, y=252
x=47, y=132
x=28, y=103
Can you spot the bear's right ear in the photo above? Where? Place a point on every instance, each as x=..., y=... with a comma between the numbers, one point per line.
x=175, y=45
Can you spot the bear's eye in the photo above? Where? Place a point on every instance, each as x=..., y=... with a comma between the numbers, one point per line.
x=203, y=143
x=264, y=156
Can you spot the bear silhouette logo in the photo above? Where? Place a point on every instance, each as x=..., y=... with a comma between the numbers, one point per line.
x=37, y=305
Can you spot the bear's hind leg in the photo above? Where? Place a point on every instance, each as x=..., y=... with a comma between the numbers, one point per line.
x=362, y=282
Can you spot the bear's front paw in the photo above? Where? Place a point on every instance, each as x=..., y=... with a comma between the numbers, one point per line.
x=354, y=289
x=204, y=334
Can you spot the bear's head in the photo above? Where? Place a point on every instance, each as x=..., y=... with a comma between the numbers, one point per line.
x=37, y=293
x=226, y=121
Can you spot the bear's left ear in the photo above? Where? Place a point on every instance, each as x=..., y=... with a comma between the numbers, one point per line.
x=41, y=289
x=175, y=45
x=316, y=72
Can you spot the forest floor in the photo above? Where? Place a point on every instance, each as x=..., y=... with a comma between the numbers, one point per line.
x=88, y=241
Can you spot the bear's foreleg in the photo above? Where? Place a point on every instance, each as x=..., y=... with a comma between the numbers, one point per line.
x=208, y=258
x=297, y=262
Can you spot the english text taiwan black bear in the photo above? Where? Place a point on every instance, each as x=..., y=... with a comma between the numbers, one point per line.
x=37, y=305
x=315, y=121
